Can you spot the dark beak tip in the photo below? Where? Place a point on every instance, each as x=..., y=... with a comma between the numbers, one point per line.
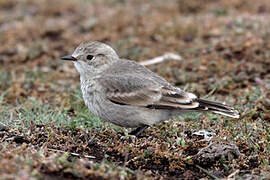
x=68, y=58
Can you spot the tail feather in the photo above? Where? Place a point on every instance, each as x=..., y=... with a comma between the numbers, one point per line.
x=217, y=108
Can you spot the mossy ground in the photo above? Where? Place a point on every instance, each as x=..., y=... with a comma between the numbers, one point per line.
x=46, y=132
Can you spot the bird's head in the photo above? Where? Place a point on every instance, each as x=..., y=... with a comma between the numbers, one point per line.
x=91, y=57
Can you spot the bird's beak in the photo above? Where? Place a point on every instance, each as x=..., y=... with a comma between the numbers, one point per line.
x=69, y=58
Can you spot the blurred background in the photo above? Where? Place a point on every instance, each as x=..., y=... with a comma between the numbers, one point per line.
x=221, y=42
x=225, y=45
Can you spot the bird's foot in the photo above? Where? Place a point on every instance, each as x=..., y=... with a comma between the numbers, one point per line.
x=138, y=131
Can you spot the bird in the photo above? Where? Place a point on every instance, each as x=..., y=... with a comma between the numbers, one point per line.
x=128, y=94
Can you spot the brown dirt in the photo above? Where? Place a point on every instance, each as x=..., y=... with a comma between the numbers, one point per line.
x=226, y=47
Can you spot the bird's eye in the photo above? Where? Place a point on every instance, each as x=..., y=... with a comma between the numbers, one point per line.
x=89, y=57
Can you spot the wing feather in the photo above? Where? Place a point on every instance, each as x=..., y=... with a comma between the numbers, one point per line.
x=143, y=92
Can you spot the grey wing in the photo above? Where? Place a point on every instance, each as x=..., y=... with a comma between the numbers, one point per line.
x=127, y=67
x=144, y=92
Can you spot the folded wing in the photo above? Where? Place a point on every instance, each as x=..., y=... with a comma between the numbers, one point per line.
x=138, y=91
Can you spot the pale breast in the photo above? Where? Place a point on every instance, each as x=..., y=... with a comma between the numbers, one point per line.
x=92, y=96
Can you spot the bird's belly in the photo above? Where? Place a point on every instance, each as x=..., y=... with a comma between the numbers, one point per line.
x=122, y=115
x=125, y=115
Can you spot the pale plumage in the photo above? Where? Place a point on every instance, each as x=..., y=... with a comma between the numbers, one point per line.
x=128, y=94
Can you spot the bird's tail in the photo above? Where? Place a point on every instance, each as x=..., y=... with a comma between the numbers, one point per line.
x=218, y=108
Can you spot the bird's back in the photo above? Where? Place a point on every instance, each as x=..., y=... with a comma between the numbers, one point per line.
x=124, y=67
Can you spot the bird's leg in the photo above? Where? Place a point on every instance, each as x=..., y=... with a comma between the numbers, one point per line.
x=138, y=130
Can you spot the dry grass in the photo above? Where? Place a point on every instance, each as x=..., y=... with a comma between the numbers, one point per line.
x=226, y=47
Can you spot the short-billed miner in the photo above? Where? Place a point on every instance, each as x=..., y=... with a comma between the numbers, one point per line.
x=128, y=94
